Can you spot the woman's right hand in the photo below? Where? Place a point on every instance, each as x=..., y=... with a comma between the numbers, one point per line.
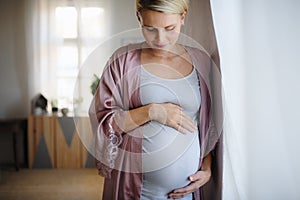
x=172, y=115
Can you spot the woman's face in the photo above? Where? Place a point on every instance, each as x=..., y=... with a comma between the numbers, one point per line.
x=160, y=30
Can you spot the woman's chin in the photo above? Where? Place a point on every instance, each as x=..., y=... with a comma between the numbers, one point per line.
x=161, y=48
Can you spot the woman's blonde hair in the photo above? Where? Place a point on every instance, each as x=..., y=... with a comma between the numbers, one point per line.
x=165, y=6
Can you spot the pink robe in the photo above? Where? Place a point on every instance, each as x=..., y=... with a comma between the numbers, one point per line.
x=118, y=154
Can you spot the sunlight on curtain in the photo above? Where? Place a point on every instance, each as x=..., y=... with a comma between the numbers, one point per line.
x=259, y=52
x=230, y=43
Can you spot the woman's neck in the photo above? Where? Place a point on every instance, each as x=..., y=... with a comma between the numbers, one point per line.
x=170, y=53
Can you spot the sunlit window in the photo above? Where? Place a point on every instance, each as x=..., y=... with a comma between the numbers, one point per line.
x=66, y=21
x=77, y=30
x=92, y=20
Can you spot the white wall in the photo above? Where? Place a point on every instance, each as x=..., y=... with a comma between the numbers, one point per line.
x=123, y=16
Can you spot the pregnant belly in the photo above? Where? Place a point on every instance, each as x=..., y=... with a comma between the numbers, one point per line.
x=169, y=158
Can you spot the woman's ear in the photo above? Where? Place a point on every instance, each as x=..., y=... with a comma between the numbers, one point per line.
x=183, y=15
x=138, y=15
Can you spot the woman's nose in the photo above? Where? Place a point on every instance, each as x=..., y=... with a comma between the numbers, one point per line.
x=160, y=35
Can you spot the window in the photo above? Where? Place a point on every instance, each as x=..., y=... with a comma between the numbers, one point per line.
x=74, y=30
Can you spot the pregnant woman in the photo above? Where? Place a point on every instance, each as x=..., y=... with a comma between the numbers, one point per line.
x=152, y=113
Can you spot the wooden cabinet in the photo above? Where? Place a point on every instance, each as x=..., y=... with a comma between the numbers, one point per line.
x=55, y=142
x=41, y=148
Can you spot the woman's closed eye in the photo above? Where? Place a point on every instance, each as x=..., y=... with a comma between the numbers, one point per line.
x=172, y=28
x=150, y=29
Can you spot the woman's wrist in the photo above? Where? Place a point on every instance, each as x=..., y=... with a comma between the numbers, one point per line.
x=206, y=168
x=152, y=111
x=206, y=165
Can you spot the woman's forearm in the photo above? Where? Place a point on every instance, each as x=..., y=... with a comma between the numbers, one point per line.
x=134, y=118
x=206, y=164
x=168, y=114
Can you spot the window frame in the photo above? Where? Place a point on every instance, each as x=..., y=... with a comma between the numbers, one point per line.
x=77, y=42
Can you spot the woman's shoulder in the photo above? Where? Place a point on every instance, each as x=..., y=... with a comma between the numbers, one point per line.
x=196, y=51
x=124, y=57
x=132, y=48
x=201, y=61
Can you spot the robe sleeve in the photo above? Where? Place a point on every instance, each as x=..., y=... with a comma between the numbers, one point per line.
x=105, y=108
x=214, y=144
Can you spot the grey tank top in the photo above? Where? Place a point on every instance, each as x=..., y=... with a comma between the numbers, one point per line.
x=169, y=157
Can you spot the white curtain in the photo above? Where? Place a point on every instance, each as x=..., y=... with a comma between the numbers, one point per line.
x=259, y=51
x=41, y=70
x=32, y=38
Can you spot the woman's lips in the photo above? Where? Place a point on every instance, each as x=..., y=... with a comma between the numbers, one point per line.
x=160, y=46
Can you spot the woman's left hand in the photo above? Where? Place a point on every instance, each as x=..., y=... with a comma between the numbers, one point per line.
x=197, y=180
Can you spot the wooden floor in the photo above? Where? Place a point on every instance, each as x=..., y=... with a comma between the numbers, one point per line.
x=50, y=184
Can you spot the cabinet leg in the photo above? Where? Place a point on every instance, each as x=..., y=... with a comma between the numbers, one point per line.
x=15, y=151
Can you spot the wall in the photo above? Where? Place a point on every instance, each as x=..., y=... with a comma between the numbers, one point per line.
x=13, y=74
x=13, y=77
x=199, y=26
x=123, y=16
